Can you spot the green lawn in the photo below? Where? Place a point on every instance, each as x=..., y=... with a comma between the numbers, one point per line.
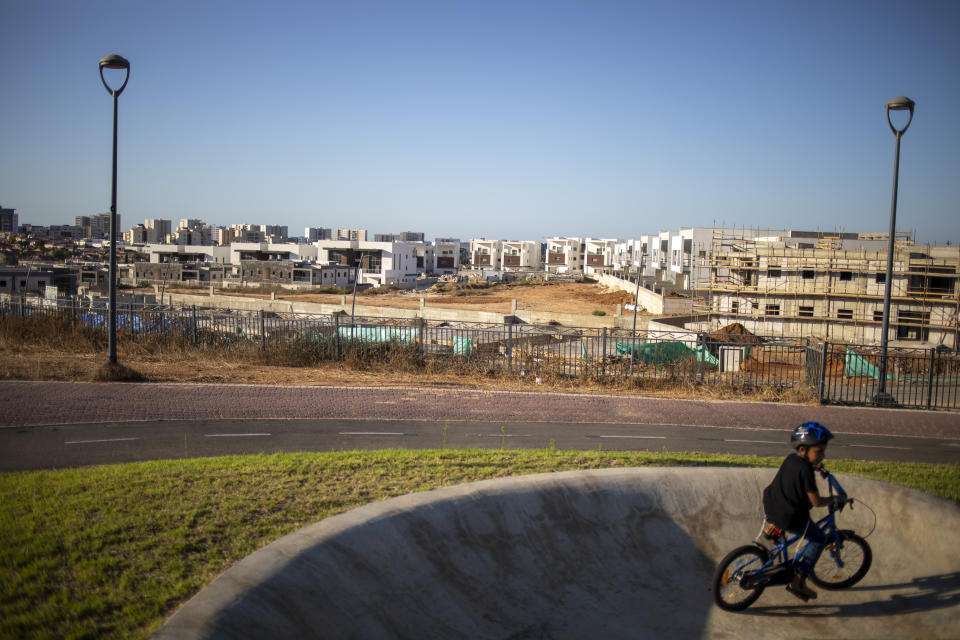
x=110, y=551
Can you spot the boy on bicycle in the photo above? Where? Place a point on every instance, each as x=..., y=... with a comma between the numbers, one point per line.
x=788, y=499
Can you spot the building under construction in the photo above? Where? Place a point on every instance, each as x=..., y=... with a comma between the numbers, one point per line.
x=822, y=288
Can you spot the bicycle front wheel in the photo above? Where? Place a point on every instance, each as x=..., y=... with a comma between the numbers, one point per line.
x=843, y=562
x=727, y=590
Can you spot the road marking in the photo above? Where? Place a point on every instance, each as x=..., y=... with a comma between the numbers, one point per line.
x=96, y=441
x=236, y=435
x=877, y=446
x=498, y=435
x=756, y=441
x=637, y=437
x=371, y=433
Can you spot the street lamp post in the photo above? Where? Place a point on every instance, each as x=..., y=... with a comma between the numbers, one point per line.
x=114, y=62
x=636, y=305
x=356, y=276
x=900, y=103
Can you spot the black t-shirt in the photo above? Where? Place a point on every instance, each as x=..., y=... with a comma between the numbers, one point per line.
x=785, y=501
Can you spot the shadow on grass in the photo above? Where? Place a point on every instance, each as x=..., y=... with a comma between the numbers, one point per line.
x=116, y=372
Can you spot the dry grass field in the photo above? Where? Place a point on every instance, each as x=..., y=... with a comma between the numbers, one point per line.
x=581, y=298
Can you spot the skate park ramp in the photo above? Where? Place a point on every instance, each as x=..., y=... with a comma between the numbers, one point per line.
x=589, y=554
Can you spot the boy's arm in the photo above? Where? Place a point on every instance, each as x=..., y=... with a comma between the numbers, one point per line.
x=817, y=500
x=824, y=501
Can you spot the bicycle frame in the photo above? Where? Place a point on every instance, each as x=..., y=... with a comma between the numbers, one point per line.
x=779, y=565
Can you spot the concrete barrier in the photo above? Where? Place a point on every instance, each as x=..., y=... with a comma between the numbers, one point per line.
x=593, y=554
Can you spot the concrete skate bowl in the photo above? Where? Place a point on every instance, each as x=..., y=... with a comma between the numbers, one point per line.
x=593, y=554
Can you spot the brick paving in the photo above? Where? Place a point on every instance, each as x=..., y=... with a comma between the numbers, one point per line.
x=24, y=403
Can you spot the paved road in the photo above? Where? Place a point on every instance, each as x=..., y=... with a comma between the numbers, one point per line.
x=48, y=447
x=32, y=411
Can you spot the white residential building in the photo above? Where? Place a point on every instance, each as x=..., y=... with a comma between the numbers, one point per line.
x=161, y=253
x=446, y=256
x=486, y=254
x=565, y=255
x=380, y=263
x=598, y=255
x=521, y=255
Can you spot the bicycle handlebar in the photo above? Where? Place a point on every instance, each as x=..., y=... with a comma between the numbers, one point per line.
x=834, y=484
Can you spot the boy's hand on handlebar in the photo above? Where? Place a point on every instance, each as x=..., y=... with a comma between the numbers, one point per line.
x=838, y=502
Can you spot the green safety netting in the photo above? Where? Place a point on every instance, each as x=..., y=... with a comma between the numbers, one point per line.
x=855, y=366
x=462, y=346
x=380, y=334
x=664, y=352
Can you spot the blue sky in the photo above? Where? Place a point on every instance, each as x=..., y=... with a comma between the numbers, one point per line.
x=514, y=120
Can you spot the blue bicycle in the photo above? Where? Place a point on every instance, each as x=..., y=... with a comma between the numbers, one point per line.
x=746, y=571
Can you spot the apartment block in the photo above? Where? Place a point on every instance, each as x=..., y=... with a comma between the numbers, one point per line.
x=782, y=288
x=312, y=234
x=157, y=229
x=97, y=226
x=404, y=236
x=351, y=234
x=8, y=220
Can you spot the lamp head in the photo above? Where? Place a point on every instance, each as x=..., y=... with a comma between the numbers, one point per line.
x=900, y=103
x=114, y=61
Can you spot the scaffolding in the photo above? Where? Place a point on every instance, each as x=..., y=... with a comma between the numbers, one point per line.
x=817, y=284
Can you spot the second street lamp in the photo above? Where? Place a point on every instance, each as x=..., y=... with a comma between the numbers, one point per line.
x=900, y=103
x=114, y=62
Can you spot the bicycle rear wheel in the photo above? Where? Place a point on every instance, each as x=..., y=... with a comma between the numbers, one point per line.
x=727, y=590
x=842, y=564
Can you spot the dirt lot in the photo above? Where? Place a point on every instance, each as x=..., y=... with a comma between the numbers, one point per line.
x=577, y=298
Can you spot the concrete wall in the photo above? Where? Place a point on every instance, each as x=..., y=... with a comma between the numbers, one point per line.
x=649, y=300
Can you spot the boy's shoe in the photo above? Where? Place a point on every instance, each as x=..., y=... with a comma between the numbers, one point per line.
x=799, y=588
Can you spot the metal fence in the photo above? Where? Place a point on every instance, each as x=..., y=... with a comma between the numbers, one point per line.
x=836, y=373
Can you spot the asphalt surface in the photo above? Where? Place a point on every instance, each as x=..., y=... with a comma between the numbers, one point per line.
x=55, y=424
x=75, y=445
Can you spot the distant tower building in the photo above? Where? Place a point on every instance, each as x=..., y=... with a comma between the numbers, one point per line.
x=351, y=234
x=313, y=234
x=157, y=230
x=276, y=232
x=97, y=226
x=8, y=220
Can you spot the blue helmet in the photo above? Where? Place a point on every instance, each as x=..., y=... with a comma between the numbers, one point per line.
x=809, y=434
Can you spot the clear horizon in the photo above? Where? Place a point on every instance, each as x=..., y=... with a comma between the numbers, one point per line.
x=523, y=120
